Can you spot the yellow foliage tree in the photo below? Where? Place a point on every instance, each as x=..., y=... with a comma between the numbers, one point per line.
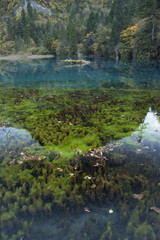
x=13, y=4
x=54, y=46
x=127, y=42
x=19, y=14
x=127, y=35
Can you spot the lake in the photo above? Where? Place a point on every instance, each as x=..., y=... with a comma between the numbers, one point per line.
x=98, y=73
x=80, y=149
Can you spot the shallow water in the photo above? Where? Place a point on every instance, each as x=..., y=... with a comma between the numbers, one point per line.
x=74, y=227
x=135, y=158
x=139, y=151
x=146, y=139
x=140, y=148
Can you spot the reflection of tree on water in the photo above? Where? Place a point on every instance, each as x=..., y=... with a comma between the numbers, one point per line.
x=7, y=132
x=141, y=131
x=12, y=138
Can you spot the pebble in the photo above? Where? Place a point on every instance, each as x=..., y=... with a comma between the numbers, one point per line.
x=72, y=174
x=146, y=147
x=139, y=151
x=87, y=177
x=110, y=211
x=60, y=169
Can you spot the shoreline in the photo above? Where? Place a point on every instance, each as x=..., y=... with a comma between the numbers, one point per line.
x=23, y=57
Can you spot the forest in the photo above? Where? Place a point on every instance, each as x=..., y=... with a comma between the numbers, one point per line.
x=121, y=29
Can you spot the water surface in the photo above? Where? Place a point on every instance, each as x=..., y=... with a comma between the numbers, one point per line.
x=98, y=73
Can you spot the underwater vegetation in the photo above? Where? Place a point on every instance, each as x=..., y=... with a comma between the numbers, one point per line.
x=67, y=120
x=63, y=171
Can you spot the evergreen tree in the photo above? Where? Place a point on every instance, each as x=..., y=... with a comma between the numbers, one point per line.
x=120, y=16
x=10, y=29
x=92, y=22
x=146, y=8
x=29, y=9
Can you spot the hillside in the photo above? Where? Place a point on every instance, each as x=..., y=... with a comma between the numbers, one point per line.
x=56, y=6
x=106, y=28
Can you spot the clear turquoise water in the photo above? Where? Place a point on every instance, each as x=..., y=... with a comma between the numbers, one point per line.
x=98, y=73
x=140, y=148
x=140, y=151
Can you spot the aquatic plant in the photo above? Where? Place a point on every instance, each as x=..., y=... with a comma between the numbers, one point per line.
x=66, y=168
x=88, y=119
x=108, y=233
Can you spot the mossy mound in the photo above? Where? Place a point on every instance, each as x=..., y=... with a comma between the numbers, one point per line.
x=74, y=61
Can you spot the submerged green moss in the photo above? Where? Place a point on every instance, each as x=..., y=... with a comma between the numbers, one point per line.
x=42, y=181
x=67, y=120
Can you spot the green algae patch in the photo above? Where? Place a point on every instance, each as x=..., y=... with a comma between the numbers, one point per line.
x=74, y=119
